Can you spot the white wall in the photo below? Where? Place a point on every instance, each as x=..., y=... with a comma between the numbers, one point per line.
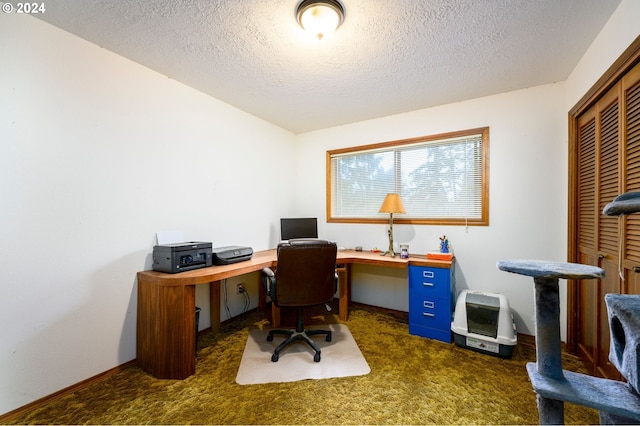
x=528, y=194
x=620, y=31
x=98, y=153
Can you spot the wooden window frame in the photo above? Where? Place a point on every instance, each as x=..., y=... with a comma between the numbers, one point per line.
x=482, y=221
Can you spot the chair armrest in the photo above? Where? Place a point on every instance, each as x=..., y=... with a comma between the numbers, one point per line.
x=269, y=280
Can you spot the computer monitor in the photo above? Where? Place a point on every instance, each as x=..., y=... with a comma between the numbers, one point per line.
x=298, y=227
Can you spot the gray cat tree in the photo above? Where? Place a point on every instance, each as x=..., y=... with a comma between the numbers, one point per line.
x=617, y=402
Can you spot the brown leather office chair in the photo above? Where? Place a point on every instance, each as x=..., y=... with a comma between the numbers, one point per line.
x=305, y=276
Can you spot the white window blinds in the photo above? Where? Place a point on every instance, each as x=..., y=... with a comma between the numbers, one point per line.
x=440, y=179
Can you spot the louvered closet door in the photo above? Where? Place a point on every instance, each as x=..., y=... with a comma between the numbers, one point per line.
x=598, y=184
x=608, y=187
x=631, y=136
x=586, y=233
x=608, y=162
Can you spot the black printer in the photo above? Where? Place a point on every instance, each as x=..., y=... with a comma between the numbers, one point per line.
x=179, y=257
x=231, y=254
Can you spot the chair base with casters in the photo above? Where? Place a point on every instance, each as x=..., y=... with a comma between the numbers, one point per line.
x=299, y=334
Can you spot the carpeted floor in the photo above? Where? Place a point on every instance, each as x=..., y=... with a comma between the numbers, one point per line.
x=412, y=381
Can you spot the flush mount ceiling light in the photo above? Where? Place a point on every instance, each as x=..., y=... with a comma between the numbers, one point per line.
x=320, y=18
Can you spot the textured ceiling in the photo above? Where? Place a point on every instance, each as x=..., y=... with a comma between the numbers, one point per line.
x=388, y=57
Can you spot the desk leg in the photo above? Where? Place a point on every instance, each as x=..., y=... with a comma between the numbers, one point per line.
x=275, y=316
x=214, y=305
x=344, y=285
x=262, y=297
x=166, y=340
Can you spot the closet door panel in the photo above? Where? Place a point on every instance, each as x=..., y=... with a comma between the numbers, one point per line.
x=631, y=136
x=633, y=283
x=604, y=162
x=587, y=290
x=599, y=170
x=608, y=186
x=587, y=330
x=587, y=184
x=610, y=284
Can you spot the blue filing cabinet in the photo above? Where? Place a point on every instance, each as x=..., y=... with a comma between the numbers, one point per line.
x=431, y=301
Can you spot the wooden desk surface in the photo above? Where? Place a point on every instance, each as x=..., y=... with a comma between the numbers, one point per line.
x=267, y=258
x=259, y=260
x=369, y=258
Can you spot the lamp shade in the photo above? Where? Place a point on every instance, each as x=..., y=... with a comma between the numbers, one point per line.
x=392, y=204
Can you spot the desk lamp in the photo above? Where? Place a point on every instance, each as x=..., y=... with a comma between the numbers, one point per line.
x=391, y=204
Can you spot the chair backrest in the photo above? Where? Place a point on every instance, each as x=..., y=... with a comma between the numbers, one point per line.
x=305, y=274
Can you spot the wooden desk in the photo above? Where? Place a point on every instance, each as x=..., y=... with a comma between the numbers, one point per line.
x=165, y=342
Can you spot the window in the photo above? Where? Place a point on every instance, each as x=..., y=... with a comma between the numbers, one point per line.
x=442, y=179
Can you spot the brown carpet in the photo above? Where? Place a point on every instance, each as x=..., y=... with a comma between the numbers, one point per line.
x=412, y=381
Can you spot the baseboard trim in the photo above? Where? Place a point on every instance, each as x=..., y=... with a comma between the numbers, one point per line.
x=6, y=417
x=399, y=315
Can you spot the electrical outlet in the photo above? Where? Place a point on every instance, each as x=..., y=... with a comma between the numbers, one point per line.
x=240, y=288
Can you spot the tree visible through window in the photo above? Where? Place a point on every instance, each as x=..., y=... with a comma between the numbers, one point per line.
x=441, y=179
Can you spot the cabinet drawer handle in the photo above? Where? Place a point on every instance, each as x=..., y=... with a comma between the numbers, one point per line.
x=636, y=269
x=427, y=274
x=428, y=304
x=428, y=284
x=428, y=314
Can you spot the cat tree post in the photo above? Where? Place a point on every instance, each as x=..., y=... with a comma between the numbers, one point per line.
x=617, y=402
x=547, y=371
